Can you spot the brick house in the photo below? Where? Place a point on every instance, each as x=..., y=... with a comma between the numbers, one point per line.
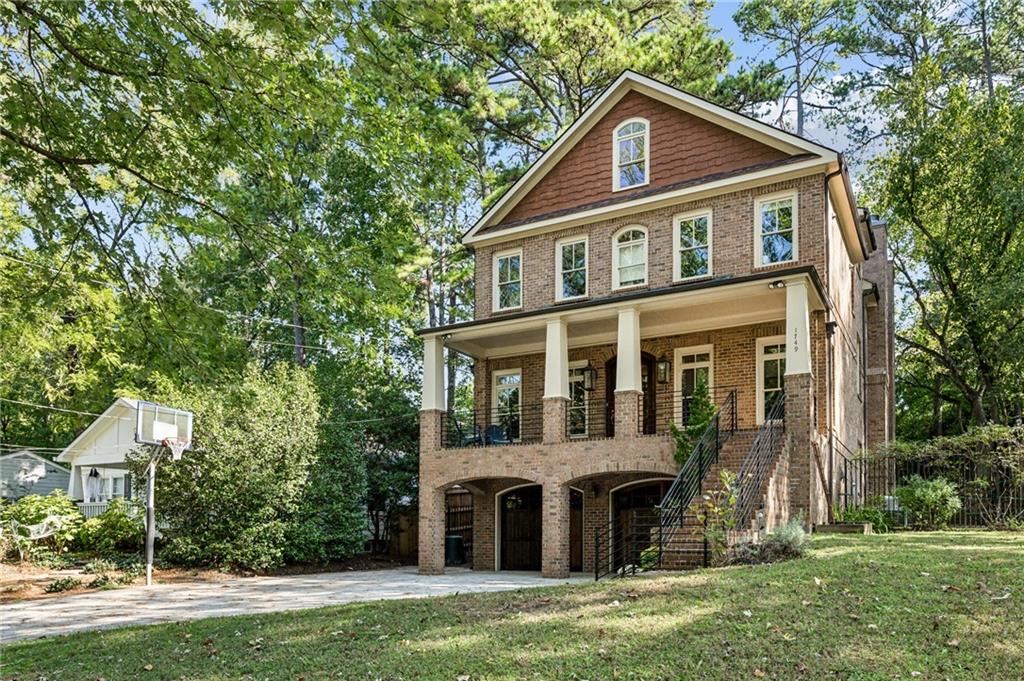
x=661, y=242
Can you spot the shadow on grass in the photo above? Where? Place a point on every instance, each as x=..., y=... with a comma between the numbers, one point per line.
x=862, y=607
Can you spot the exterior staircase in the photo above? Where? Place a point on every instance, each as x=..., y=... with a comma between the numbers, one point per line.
x=670, y=537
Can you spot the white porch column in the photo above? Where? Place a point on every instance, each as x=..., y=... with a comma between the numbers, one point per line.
x=433, y=374
x=556, y=360
x=798, y=329
x=627, y=376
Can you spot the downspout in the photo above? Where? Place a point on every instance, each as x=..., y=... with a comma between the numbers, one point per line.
x=829, y=342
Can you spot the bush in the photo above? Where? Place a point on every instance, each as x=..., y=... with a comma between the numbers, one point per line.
x=330, y=522
x=229, y=500
x=33, y=509
x=785, y=543
x=872, y=512
x=62, y=584
x=928, y=503
x=119, y=528
x=99, y=566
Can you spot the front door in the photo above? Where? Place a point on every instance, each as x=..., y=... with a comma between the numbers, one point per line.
x=649, y=408
x=521, y=528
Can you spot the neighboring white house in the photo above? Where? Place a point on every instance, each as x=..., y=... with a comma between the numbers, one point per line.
x=97, y=458
x=24, y=472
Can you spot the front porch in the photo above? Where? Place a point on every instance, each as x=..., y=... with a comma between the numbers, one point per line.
x=570, y=406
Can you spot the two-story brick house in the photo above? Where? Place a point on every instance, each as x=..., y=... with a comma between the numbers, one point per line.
x=660, y=241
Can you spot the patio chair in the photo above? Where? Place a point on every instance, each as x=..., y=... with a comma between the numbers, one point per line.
x=466, y=439
x=496, y=435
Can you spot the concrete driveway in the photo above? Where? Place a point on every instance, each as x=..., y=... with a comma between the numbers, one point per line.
x=244, y=596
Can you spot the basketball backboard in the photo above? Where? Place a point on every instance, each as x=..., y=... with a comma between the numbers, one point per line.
x=156, y=424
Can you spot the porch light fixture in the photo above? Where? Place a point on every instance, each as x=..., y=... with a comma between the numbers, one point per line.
x=664, y=367
x=778, y=283
x=589, y=378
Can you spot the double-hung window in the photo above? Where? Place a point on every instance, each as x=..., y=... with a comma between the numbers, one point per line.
x=571, y=268
x=577, y=407
x=776, y=229
x=630, y=166
x=692, y=239
x=629, y=251
x=507, y=410
x=771, y=371
x=508, y=280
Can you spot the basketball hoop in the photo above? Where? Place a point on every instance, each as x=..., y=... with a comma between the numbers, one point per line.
x=175, y=445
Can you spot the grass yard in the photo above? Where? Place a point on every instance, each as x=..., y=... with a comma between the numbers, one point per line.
x=927, y=606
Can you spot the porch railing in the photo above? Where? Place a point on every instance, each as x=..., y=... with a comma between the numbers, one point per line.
x=590, y=419
x=670, y=407
x=91, y=509
x=493, y=427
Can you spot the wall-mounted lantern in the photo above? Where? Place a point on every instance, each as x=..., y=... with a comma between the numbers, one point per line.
x=664, y=368
x=589, y=378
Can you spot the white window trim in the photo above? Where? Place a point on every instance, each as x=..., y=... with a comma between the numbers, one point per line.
x=558, y=265
x=615, y=256
x=495, y=298
x=677, y=243
x=495, y=375
x=581, y=364
x=759, y=360
x=758, y=245
x=615, y=154
x=677, y=372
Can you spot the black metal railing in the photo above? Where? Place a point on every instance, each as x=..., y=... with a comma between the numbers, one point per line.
x=589, y=419
x=668, y=408
x=492, y=427
x=754, y=470
x=621, y=550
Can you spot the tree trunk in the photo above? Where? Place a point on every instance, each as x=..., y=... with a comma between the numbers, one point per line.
x=298, y=326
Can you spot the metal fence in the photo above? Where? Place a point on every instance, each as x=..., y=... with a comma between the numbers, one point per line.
x=989, y=494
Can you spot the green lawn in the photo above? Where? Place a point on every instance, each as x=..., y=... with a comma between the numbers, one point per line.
x=928, y=606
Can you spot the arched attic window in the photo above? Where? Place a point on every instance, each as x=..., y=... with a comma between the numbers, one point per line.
x=631, y=157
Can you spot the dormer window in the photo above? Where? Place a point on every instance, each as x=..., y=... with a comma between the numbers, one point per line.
x=630, y=167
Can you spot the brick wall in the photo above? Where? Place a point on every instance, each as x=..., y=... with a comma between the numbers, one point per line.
x=732, y=244
x=682, y=147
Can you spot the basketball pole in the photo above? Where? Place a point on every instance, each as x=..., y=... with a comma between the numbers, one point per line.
x=151, y=513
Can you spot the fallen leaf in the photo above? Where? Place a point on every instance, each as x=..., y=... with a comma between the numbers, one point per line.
x=805, y=602
x=147, y=668
x=462, y=677
x=915, y=673
x=817, y=582
x=758, y=673
x=926, y=574
x=949, y=587
x=953, y=642
x=747, y=613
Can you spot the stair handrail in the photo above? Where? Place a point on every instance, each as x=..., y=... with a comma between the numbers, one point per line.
x=754, y=469
x=608, y=544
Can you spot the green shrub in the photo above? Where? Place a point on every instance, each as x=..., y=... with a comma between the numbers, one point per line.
x=649, y=557
x=330, y=521
x=873, y=512
x=119, y=528
x=928, y=503
x=701, y=410
x=131, y=572
x=229, y=500
x=785, y=543
x=43, y=556
x=103, y=581
x=33, y=509
x=62, y=584
x=99, y=566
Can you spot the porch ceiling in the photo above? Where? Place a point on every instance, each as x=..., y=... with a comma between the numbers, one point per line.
x=687, y=311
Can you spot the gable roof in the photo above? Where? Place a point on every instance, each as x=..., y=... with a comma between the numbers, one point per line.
x=101, y=421
x=629, y=81
x=32, y=455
